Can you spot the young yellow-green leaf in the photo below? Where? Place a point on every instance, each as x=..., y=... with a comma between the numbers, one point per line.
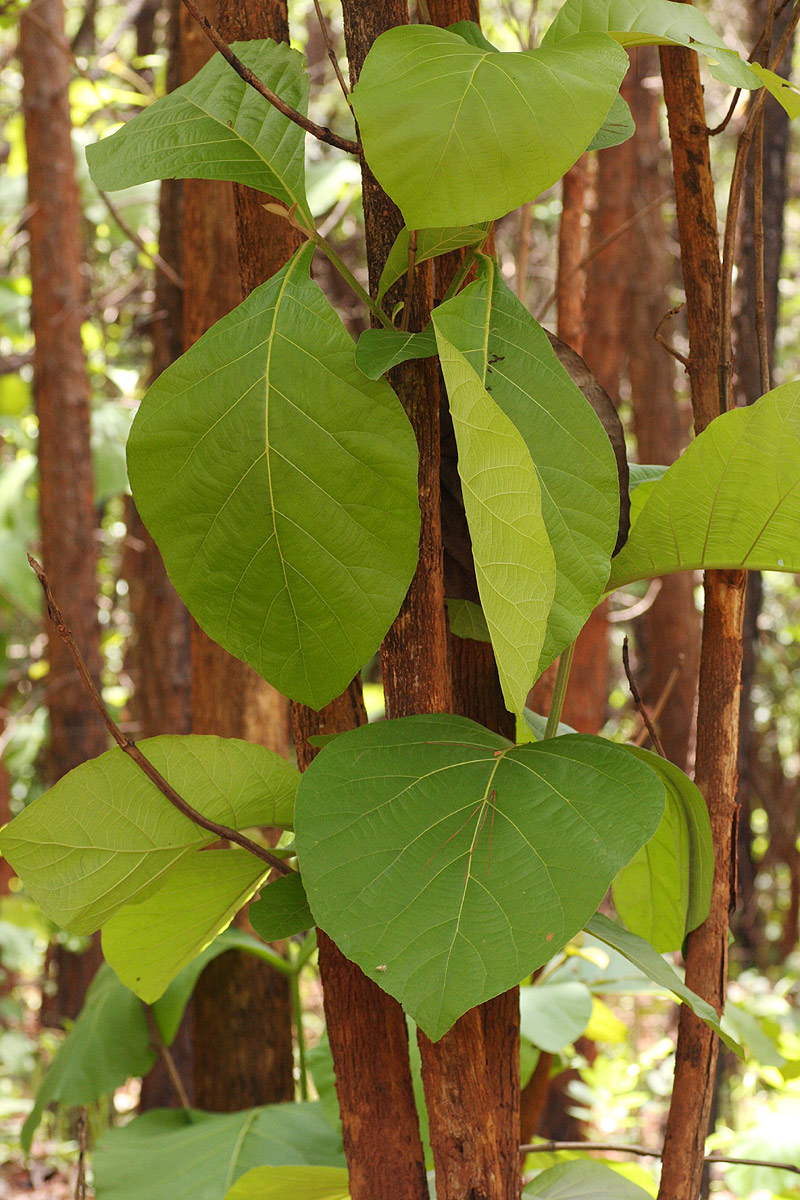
x=105, y=836
x=459, y=135
x=583, y=1180
x=149, y=943
x=281, y=487
x=650, y=963
x=217, y=127
x=732, y=500
x=784, y=91
x=510, y=352
x=651, y=23
x=282, y=909
x=199, y=1156
x=442, y=859
x=299, y=1183
x=466, y=620
x=514, y=563
x=430, y=244
x=665, y=890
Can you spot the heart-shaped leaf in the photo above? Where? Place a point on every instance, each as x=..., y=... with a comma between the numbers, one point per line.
x=665, y=890
x=514, y=564
x=732, y=500
x=442, y=859
x=427, y=104
x=510, y=352
x=281, y=487
x=217, y=127
x=105, y=836
x=147, y=944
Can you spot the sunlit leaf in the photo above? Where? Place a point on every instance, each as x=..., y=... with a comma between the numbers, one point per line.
x=299, y=1183
x=582, y=1180
x=430, y=244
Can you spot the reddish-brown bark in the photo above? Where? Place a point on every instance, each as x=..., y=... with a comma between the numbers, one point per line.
x=721, y=650
x=61, y=395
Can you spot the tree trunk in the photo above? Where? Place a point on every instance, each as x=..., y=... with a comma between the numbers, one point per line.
x=239, y=1001
x=61, y=394
x=721, y=649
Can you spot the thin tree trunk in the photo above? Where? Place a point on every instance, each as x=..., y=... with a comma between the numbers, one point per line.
x=239, y=1002
x=721, y=650
x=61, y=394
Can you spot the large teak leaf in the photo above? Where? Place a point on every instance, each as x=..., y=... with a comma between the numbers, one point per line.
x=572, y=454
x=148, y=943
x=457, y=134
x=732, y=500
x=443, y=860
x=514, y=564
x=281, y=487
x=105, y=836
x=217, y=127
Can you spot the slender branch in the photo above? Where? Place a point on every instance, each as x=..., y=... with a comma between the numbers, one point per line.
x=409, y=292
x=639, y=215
x=559, y=691
x=762, y=335
x=643, y=1152
x=734, y=196
x=321, y=132
x=658, y=707
x=323, y=24
x=159, y=262
x=637, y=699
x=80, y=1178
x=165, y=1054
x=662, y=341
x=132, y=750
x=726, y=120
x=460, y=275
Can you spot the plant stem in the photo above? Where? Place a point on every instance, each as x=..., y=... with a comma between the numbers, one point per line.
x=460, y=275
x=643, y=1152
x=349, y=278
x=297, y=1005
x=559, y=691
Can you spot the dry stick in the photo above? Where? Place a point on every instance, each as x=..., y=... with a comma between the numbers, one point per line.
x=165, y=1055
x=161, y=264
x=643, y=1152
x=737, y=182
x=638, y=216
x=321, y=132
x=331, y=52
x=662, y=341
x=132, y=750
x=637, y=700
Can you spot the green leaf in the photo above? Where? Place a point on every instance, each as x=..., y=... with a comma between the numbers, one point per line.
x=583, y=1180
x=105, y=836
x=282, y=909
x=640, y=473
x=784, y=91
x=199, y=1156
x=617, y=127
x=665, y=890
x=108, y=1043
x=148, y=943
x=427, y=104
x=732, y=500
x=537, y=723
x=217, y=127
x=301, y=1183
x=379, y=350
x=514, y=564
x=650, y=23
x=553, y=1015
x=430, y=244
x=467, y=620
x=471, y=32
x=571, y=451
x=649, y=961
x=442, y=859
x=281, y=488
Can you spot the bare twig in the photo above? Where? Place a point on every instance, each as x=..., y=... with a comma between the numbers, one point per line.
x=659, y=705
x=643, y=1152
x=726, y=120
x=323, y=24
x=132, y=750
x=161, y=264
x=409, y=292
x=637, y=699
x=165, y=1054
x=662, y=341
x=734, y=197
x=639, y=215
x=762, y=335
x=321, y=132
x=640, y=607
x=80, y=1178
